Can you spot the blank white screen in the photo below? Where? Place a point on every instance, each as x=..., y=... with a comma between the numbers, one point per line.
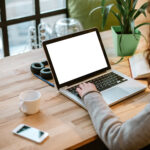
x=75, y=57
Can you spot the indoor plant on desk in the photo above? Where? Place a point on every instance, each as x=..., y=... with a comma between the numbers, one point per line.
x=125, y=36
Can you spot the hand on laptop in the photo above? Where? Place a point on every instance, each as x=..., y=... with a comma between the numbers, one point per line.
x=85, y=88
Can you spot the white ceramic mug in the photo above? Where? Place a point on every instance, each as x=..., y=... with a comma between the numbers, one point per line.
x=30, y=101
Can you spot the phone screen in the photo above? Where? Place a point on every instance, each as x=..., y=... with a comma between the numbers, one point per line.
x=31, y=133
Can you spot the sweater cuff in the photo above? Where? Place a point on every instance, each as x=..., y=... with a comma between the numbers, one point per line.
x=89, y=93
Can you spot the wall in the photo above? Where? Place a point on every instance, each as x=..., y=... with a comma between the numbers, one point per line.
x=145, y=29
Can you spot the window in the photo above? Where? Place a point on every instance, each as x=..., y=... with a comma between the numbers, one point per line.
x=20, y=42
x=18, y=8
x=52, y=20
x=1, y=45
x=17, y=16
x=47, y=5
x=0, y=14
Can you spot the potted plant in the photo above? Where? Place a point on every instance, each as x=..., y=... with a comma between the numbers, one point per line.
x=125, y=36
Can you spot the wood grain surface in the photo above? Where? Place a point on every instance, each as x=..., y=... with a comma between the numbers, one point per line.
x=68, y=125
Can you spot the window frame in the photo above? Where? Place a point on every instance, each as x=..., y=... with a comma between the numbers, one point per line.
x=4, y=23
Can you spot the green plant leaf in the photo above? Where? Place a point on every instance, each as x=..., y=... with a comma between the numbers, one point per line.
x=142, y=25
x=106, y=12
x=119, y=2
x=103, y=2
x=132, y=12
x=118, y=18
x=123, y=3
x=119, y=60
x=134, y=3
x=93, y=10
x=126, y=13
x=121, y=9
x=142, y=10
x=124, y=8
x=132, y=26
x=130, y=4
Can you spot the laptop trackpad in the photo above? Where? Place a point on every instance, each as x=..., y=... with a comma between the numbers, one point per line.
x=114, y=94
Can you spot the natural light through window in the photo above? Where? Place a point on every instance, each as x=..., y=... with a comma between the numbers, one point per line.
x=17, y=8
x=18, y=17
x=1, y=45
x=20, y=42
x=52, y=20
x=47, y=5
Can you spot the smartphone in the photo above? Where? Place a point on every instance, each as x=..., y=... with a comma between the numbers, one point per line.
x=30, y=133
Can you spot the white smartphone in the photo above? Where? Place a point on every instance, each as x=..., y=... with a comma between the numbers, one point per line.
x=30, y=133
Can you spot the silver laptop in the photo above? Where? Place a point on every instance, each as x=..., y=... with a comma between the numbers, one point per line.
x=80, y=57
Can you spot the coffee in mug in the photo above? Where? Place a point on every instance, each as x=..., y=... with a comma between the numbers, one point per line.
x=30, y=101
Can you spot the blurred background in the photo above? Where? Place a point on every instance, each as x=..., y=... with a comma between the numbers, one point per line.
x=18, y=16
x=20, y=20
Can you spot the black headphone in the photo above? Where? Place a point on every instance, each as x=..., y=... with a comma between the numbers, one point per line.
x=39, y=68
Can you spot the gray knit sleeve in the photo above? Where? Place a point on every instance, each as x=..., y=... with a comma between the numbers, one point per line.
x=131, y=135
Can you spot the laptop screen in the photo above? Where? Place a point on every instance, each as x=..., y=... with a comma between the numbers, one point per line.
x=76, y=57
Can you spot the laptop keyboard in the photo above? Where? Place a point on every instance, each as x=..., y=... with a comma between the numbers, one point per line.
x=103, y=82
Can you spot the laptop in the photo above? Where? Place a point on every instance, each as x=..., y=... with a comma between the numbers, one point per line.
x=80, y=57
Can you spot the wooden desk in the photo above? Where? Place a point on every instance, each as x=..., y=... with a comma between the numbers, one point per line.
x=68, y=125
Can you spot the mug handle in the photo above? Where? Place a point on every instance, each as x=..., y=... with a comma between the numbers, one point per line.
x=21, y=108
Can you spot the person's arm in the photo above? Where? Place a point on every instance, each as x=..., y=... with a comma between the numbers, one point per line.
x=131, y=135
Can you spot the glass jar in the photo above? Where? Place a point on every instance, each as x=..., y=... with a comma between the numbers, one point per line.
x=66, y=26
x=44, y=32
x=32, y=37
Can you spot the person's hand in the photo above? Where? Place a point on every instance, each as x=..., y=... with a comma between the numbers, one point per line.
x=85, y=88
